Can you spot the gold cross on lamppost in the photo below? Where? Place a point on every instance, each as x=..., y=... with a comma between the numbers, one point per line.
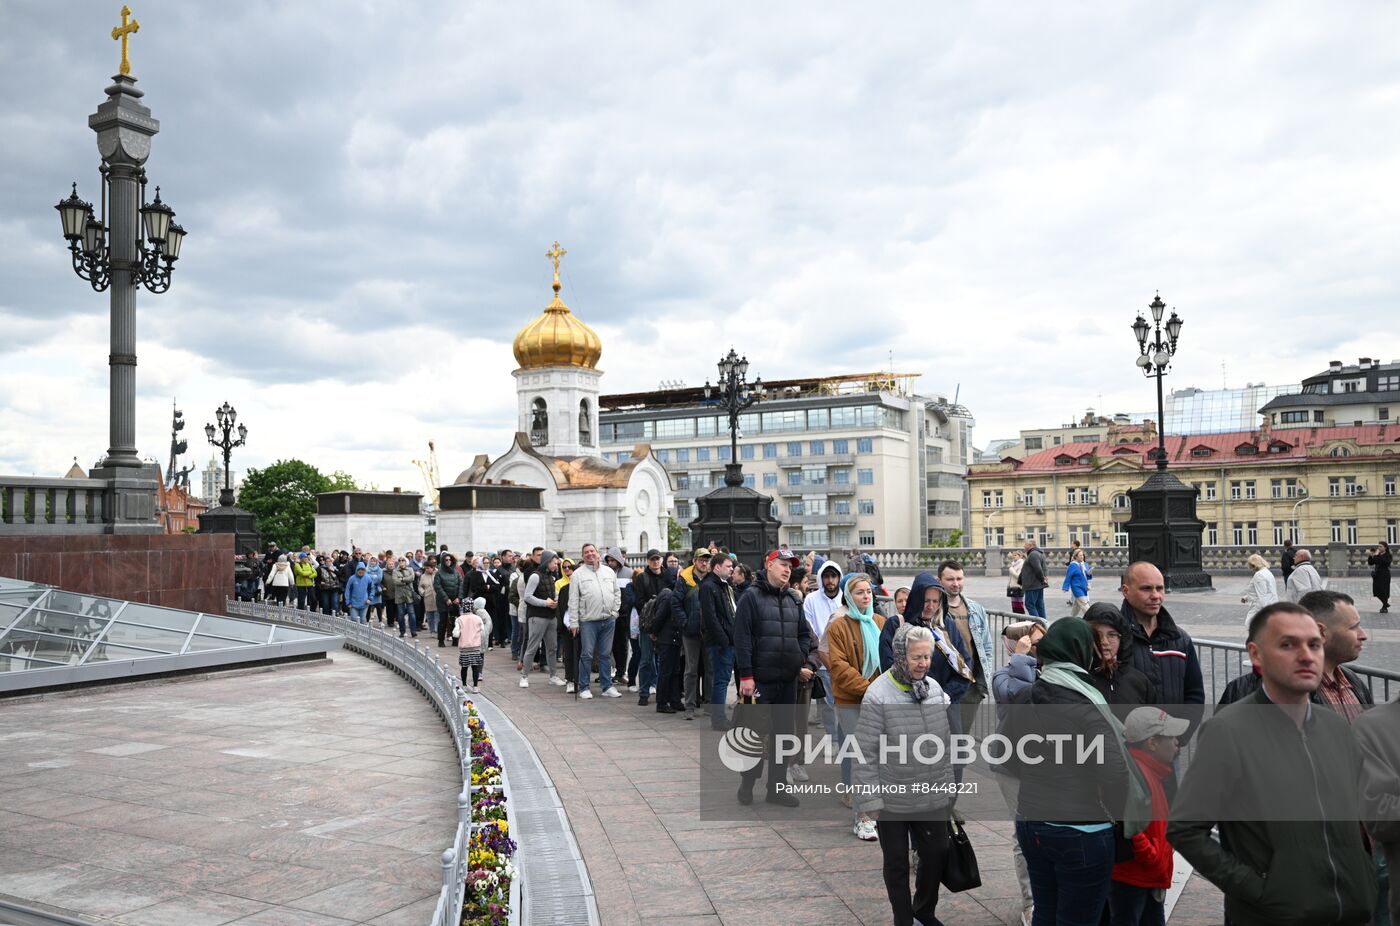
x=124, y=32
x=554, y=254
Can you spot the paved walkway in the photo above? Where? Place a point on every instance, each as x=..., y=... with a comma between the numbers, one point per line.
x=629, y=781
x=316, y=795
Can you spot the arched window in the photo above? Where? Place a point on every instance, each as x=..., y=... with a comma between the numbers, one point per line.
x=539, y=423
x=585, y=424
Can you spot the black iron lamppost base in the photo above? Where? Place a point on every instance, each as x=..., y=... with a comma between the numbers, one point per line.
x=1165, y=531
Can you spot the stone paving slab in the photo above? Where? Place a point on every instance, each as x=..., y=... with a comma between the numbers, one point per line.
x=230, y=799
x=629, y=780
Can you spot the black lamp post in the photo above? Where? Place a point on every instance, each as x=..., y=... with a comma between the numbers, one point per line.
x=1164, y=529
x=738, y=517
x=1154, y=359
x=123, y=243
x=227, y=417
x=734, y=396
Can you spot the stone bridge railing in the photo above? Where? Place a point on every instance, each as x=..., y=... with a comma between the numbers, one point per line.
x=33, y=505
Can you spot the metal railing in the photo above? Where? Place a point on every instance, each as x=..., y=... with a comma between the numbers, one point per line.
x=444, y=692
x=1221, y=662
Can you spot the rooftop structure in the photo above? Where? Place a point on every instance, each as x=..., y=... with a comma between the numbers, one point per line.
x=1367, y=392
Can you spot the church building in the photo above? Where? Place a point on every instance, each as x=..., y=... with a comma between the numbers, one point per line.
x=585, y=497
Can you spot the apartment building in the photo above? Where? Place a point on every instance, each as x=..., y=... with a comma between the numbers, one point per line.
x=1365, y=393
x=851, y=460
x=1312, y=484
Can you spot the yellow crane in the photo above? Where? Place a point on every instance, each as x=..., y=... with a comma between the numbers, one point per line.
x=429, y=471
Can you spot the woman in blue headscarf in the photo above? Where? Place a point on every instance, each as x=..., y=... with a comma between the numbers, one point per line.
x=850, y=649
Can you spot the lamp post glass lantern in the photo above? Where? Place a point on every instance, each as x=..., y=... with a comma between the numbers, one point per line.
x=226, y=415
x=734, y=394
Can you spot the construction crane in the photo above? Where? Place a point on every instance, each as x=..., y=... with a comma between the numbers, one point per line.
x=429, y=471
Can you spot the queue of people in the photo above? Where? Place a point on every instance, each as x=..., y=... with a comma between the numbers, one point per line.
x=807, y=638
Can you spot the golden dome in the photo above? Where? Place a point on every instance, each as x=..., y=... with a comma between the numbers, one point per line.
x=557, y=338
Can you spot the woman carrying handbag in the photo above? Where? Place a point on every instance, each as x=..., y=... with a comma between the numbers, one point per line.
x=909, y=798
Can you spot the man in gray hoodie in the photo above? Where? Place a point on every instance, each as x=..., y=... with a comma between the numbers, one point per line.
x=539, y=603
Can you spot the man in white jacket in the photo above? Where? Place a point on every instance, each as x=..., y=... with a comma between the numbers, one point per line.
x=594, y=599
x=1304, y=577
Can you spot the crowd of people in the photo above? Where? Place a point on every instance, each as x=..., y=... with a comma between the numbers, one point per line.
x=808, y=637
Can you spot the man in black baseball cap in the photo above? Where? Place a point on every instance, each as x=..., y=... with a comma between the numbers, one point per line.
x=652, y=582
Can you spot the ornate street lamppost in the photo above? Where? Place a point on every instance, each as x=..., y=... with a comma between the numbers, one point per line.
x=738, y=517
x=1164, y=529
x=226, y=416
x=734, y=395
x=124, y=243
x=1155, y=353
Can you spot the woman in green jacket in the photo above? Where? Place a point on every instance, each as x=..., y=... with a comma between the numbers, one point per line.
x=304, y=574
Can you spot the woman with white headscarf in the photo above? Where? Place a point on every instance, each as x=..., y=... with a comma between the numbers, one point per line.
x=909, y=796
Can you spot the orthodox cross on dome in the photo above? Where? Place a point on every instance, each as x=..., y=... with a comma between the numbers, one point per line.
x=555, y=254
x=124, y=32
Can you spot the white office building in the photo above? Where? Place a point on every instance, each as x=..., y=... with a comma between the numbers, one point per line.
x=852, y=460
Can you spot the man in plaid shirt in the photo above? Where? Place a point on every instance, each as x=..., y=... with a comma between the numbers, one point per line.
x=1341, y=689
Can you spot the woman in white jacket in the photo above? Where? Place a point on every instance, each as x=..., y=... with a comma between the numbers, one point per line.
x=1262, y=590
x=280, y=580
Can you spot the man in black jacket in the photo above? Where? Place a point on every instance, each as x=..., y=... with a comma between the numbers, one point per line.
x=1161, y=650
x=771, y=643
x=652, y=582
x=1280, y=780
x=717, y=632
x=668, y=624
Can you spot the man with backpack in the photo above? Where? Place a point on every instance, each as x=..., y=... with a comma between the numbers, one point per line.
x=645, y=590
x=667, y=623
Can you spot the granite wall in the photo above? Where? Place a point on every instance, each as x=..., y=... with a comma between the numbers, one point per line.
x=189, y=571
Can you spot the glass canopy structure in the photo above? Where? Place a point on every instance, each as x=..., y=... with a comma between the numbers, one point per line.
x=50, y=637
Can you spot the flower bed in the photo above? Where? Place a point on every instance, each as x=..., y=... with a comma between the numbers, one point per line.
x=490, y=850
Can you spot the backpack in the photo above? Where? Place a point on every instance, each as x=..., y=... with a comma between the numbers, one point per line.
x=646, y=620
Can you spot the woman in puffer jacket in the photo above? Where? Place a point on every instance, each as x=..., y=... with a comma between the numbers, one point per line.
x=280, y=580
x=909, y=797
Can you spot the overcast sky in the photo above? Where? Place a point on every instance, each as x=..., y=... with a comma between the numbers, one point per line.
x=988, y=193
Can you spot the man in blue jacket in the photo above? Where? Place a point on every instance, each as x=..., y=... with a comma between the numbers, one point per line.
x=357, y=592
x=970, y=619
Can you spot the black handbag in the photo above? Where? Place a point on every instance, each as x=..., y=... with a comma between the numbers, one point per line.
x=749, y=714
x=960, y=871
x=818, y=687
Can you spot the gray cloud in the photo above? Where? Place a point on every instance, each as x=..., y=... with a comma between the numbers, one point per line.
x=370, y=188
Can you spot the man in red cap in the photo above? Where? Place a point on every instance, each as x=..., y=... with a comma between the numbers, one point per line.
x=771, y=643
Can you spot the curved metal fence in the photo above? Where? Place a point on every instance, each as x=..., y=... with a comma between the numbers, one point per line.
x=444, y=692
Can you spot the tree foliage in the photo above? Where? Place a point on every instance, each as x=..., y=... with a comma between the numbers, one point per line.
x=282, y=497
x=673, y=534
